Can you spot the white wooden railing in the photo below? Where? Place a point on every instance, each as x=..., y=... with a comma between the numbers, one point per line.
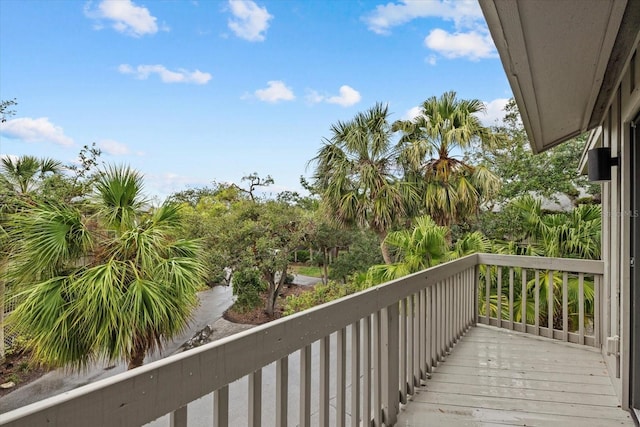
x=532, y=275
x=386, y=341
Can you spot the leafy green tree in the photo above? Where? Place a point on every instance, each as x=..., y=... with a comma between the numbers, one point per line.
x=354, y=175
x=430, y=152
x=361, y=255
x=110, y=282
x=265, y=236
x=547, y=174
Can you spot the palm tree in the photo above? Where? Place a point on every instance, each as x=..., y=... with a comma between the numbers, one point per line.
x=25, y=173
x=422, y=247
x=355, y=175
x=451, y=189
x=111, y=283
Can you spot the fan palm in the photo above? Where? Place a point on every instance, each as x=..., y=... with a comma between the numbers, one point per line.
x=422, y=247
x=112, y=284
x=25, y=173
x=355, y=174
x=451, y=189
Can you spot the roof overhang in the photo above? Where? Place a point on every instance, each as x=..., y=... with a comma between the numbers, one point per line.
x=564, y=60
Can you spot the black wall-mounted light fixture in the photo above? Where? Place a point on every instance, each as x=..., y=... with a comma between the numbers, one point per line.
x=599, y=163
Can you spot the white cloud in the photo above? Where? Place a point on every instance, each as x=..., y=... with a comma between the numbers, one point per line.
x=114, y=148
x=275, y=92
x=464, y=13
x=143, y=72
x=126, y=17
x=494, y=112
x=249, y=21
x=347, y=97
x=34, y=130
x=473, y=44
x=412, y=113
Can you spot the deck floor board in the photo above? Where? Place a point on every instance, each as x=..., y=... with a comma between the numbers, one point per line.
x=498, y=377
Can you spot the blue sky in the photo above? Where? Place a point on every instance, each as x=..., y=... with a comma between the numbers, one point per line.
x=190, y=92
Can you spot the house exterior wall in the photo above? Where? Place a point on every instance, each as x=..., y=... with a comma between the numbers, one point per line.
x=616, y=224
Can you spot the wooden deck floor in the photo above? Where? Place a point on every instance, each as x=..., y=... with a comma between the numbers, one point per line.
x=497, y=377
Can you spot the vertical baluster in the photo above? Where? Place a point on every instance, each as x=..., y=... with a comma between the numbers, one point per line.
x=324, y=364
x=581, y=306
x=178, y=418
x=389, y=360
x=221, y=407
x=416, y=339
x=305, y=386
x=441, y=322
x=366, y=371
x=429, y=328
x=410, y=345
x=404, y=382
x=447, y=315
x=476, y=295
x=423, y=335
x=341, y=377
x=255, y=399
x=355, y=374
x=456, y=308
x=565, y=306
x=537, y=302
x=523, y=297
x=511, y=320
x=487, y=303
x=282, y=391
x=597, y=283
x=377, y=375
x=550, y=302
x=499, y=300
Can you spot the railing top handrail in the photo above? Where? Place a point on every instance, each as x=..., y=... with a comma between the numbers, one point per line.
x=182, y=378
x=544, y=263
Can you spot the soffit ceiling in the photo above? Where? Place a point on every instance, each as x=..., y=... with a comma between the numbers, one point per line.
x=559, y=61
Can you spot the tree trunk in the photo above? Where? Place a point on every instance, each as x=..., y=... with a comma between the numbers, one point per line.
x=325, y=268
x=136, y=358
x=384, y=248
x=274, y=289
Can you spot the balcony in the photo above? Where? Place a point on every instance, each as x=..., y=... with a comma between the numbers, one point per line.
x=449, y=345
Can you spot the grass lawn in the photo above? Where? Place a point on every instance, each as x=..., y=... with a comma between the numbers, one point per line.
x=306, y=270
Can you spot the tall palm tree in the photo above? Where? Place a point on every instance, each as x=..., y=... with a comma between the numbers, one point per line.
x=430, y=148
x=355, y=174
x=25, y=173
x=110, y=283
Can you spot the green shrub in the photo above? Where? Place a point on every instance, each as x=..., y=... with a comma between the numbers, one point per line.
x=247, y=287
x=302, y=256
x=319, y=295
